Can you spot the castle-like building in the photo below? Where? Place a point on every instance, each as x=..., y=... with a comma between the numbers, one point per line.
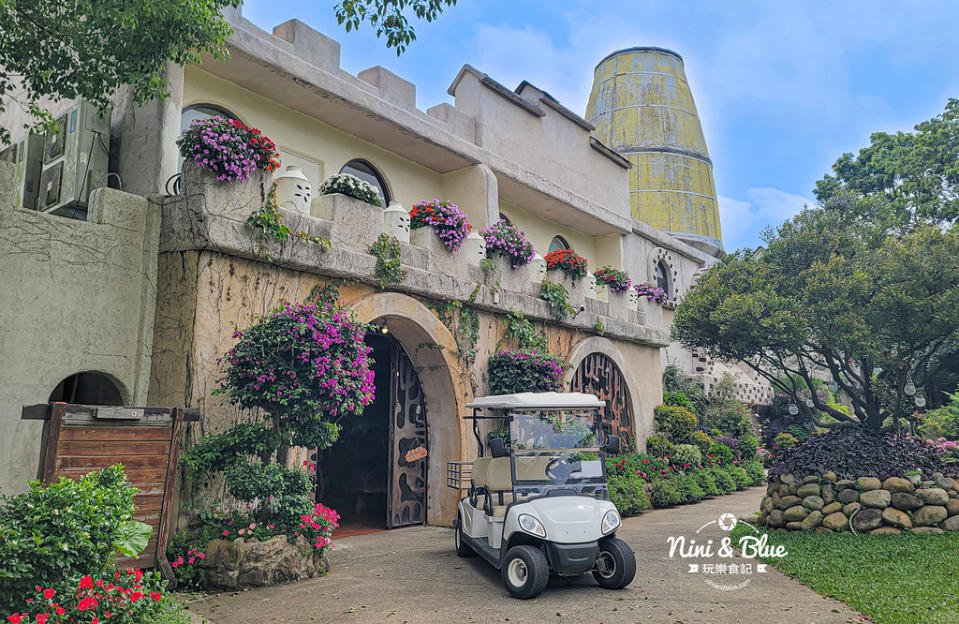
x=121, y=280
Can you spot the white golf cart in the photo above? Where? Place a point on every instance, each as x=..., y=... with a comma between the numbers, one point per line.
x=537, y=503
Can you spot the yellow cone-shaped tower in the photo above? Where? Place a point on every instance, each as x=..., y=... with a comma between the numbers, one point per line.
x=641, y=107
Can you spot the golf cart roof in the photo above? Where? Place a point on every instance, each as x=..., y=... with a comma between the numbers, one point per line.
x=538, y=400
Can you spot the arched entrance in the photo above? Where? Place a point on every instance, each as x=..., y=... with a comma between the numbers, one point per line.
x=597, y=374
x=88, y=388
x=376, y=473
x=443, y=390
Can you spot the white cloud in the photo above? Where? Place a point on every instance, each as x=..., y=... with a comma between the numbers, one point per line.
x=742, y=221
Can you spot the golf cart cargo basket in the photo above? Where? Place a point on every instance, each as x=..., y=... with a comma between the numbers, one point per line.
x=459, y=474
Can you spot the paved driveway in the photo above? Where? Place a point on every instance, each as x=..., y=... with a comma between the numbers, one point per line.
x=412, y=576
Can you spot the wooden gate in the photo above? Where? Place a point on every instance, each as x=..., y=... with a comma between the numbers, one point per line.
x=599, y=375
x=406, y=499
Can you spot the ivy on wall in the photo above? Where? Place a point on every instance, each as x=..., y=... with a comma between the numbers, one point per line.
x=388, y=270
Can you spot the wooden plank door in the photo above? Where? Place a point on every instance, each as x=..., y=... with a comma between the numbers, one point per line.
x=409, y=458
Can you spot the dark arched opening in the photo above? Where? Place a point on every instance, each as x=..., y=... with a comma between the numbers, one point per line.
x=89, y=388
x=365, y=171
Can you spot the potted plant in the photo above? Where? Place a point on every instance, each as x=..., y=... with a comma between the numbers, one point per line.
x=227, y=148
x=616, y=283
x=651, y=300
x=353, y=205
x=438, y=220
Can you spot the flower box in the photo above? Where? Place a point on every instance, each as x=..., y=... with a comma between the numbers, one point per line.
x=441, y=259
x=575, y=288
x=618, y=304
x=356, y=224
x=652, y=312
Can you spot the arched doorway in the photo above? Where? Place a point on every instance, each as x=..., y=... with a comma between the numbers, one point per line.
x=597, y=374
x=376, y=473
x=88, y=388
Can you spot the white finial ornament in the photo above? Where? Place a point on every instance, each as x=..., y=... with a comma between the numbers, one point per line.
x=293, y=190
x=396, y=221
x=474, y=248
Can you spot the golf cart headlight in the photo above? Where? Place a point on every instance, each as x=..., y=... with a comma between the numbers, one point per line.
x=611, y=521
x=531, y=525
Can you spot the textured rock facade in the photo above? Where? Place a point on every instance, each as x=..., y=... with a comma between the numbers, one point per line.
x=240, y=564
x=866, y=505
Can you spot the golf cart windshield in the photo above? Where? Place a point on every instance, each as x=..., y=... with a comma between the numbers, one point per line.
x=557, y=449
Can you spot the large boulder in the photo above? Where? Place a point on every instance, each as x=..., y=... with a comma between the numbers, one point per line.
x=776, y=518
x=827, y=493
x=868, y=483
x=788, y=479
x=798, y=513
x=930, y=515
x=944, y=482
x=950, y=524
x=879, y=499
x=808, y=489
x=832, y=507
x=240, y=563
x=836, y=521
x=952, y=506
x=811, y=521
x=847, y=496
x=896, y=518
x=850, y=508
x=933, y=496
x=897, y=484
x=906, y=502
x=867, y=520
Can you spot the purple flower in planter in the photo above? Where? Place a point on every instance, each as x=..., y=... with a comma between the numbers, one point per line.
x=504, y=239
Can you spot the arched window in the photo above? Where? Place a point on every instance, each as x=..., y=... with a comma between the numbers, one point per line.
x=558, y=242
x=505, y=218
x=88, y=388
x=662, y=278
x=368, y=173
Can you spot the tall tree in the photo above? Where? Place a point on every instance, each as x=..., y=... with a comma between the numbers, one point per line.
x=88, y=48
x=836, y=297
x=389, y=18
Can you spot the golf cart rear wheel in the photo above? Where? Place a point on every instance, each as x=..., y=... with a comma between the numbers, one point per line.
x=615, y=564
x=525, y=571
x=462, y=548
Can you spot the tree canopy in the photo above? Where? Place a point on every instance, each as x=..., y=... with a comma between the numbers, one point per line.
x=862, y=289
x=388, y=17
x=89, y=48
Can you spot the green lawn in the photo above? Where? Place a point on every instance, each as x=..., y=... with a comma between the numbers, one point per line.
x=904, y=579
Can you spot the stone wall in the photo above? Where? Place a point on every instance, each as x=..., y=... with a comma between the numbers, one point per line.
x=867, y=505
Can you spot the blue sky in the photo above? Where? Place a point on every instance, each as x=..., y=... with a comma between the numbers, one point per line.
x=783, y=88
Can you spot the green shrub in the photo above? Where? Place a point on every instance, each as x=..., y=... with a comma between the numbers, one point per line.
x=678, y=399
x=707, y=483
x=739, y=476
x=784, y=440
x=627, y=493
x=690, y=489
x=721, y=453
x=686, y=455
x=665, y=494
x=55, y=534
x=676, y=423
x=702, y=441
x=724, y=482
x=733, y=422
x=748, y=447
x=942, y=422
x=658, y=446
x=755, y=471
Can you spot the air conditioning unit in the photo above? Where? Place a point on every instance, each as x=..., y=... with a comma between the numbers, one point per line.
x=75, y=159
x=28, y=156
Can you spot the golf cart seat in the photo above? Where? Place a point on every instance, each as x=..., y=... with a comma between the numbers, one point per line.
x=499, y=480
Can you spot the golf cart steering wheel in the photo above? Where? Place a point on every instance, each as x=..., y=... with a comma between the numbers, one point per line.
x=560, y=469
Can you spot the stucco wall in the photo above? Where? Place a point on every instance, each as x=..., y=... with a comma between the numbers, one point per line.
x=75, y=296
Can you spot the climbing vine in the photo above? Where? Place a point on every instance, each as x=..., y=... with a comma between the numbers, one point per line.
x=269, y=223
x=388, y=270
x=522, y=332
x=555, y=297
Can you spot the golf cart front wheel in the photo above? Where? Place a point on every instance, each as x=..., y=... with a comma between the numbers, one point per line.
x=525, y=571
x=462, y=549
x=615, y=564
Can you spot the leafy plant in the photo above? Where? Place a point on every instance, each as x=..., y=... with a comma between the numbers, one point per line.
x=748, y=448
x=555, y=297
x=627, y=493
x=665, y=494
x=678, y=399
x=855, y=453
x=740, y=476
x=617, y=281
x=389, y=18
x=755, y=471
x=676, y=423
x=652, y=293
x=686, y=455
x=784, y=441
x=449, y=223
x=658, y=446
x=942, y=422
x=702, y=441
x=689, y=489
x=227, y=148
x=488, y=265
x=504, y=239
x=675, y=381
x=731, y=443
x=720, y=453
x=724, y=481
x=599, y=327
x=522, y=333
x=524, y=371
x=269, y=222
x=707, y=483
x=351, y=186
x=56, y=533
x=386, y=250
x=567, y=261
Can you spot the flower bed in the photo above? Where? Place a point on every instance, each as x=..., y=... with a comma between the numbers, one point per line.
x=449, y=223
x=505, y=240
x=617, y=281
x=228, y=148
x=567, y=261
x=351, y=186
x=651, y=293
x=524, y=371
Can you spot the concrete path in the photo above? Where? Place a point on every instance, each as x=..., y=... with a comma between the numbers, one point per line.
x=413, y=576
